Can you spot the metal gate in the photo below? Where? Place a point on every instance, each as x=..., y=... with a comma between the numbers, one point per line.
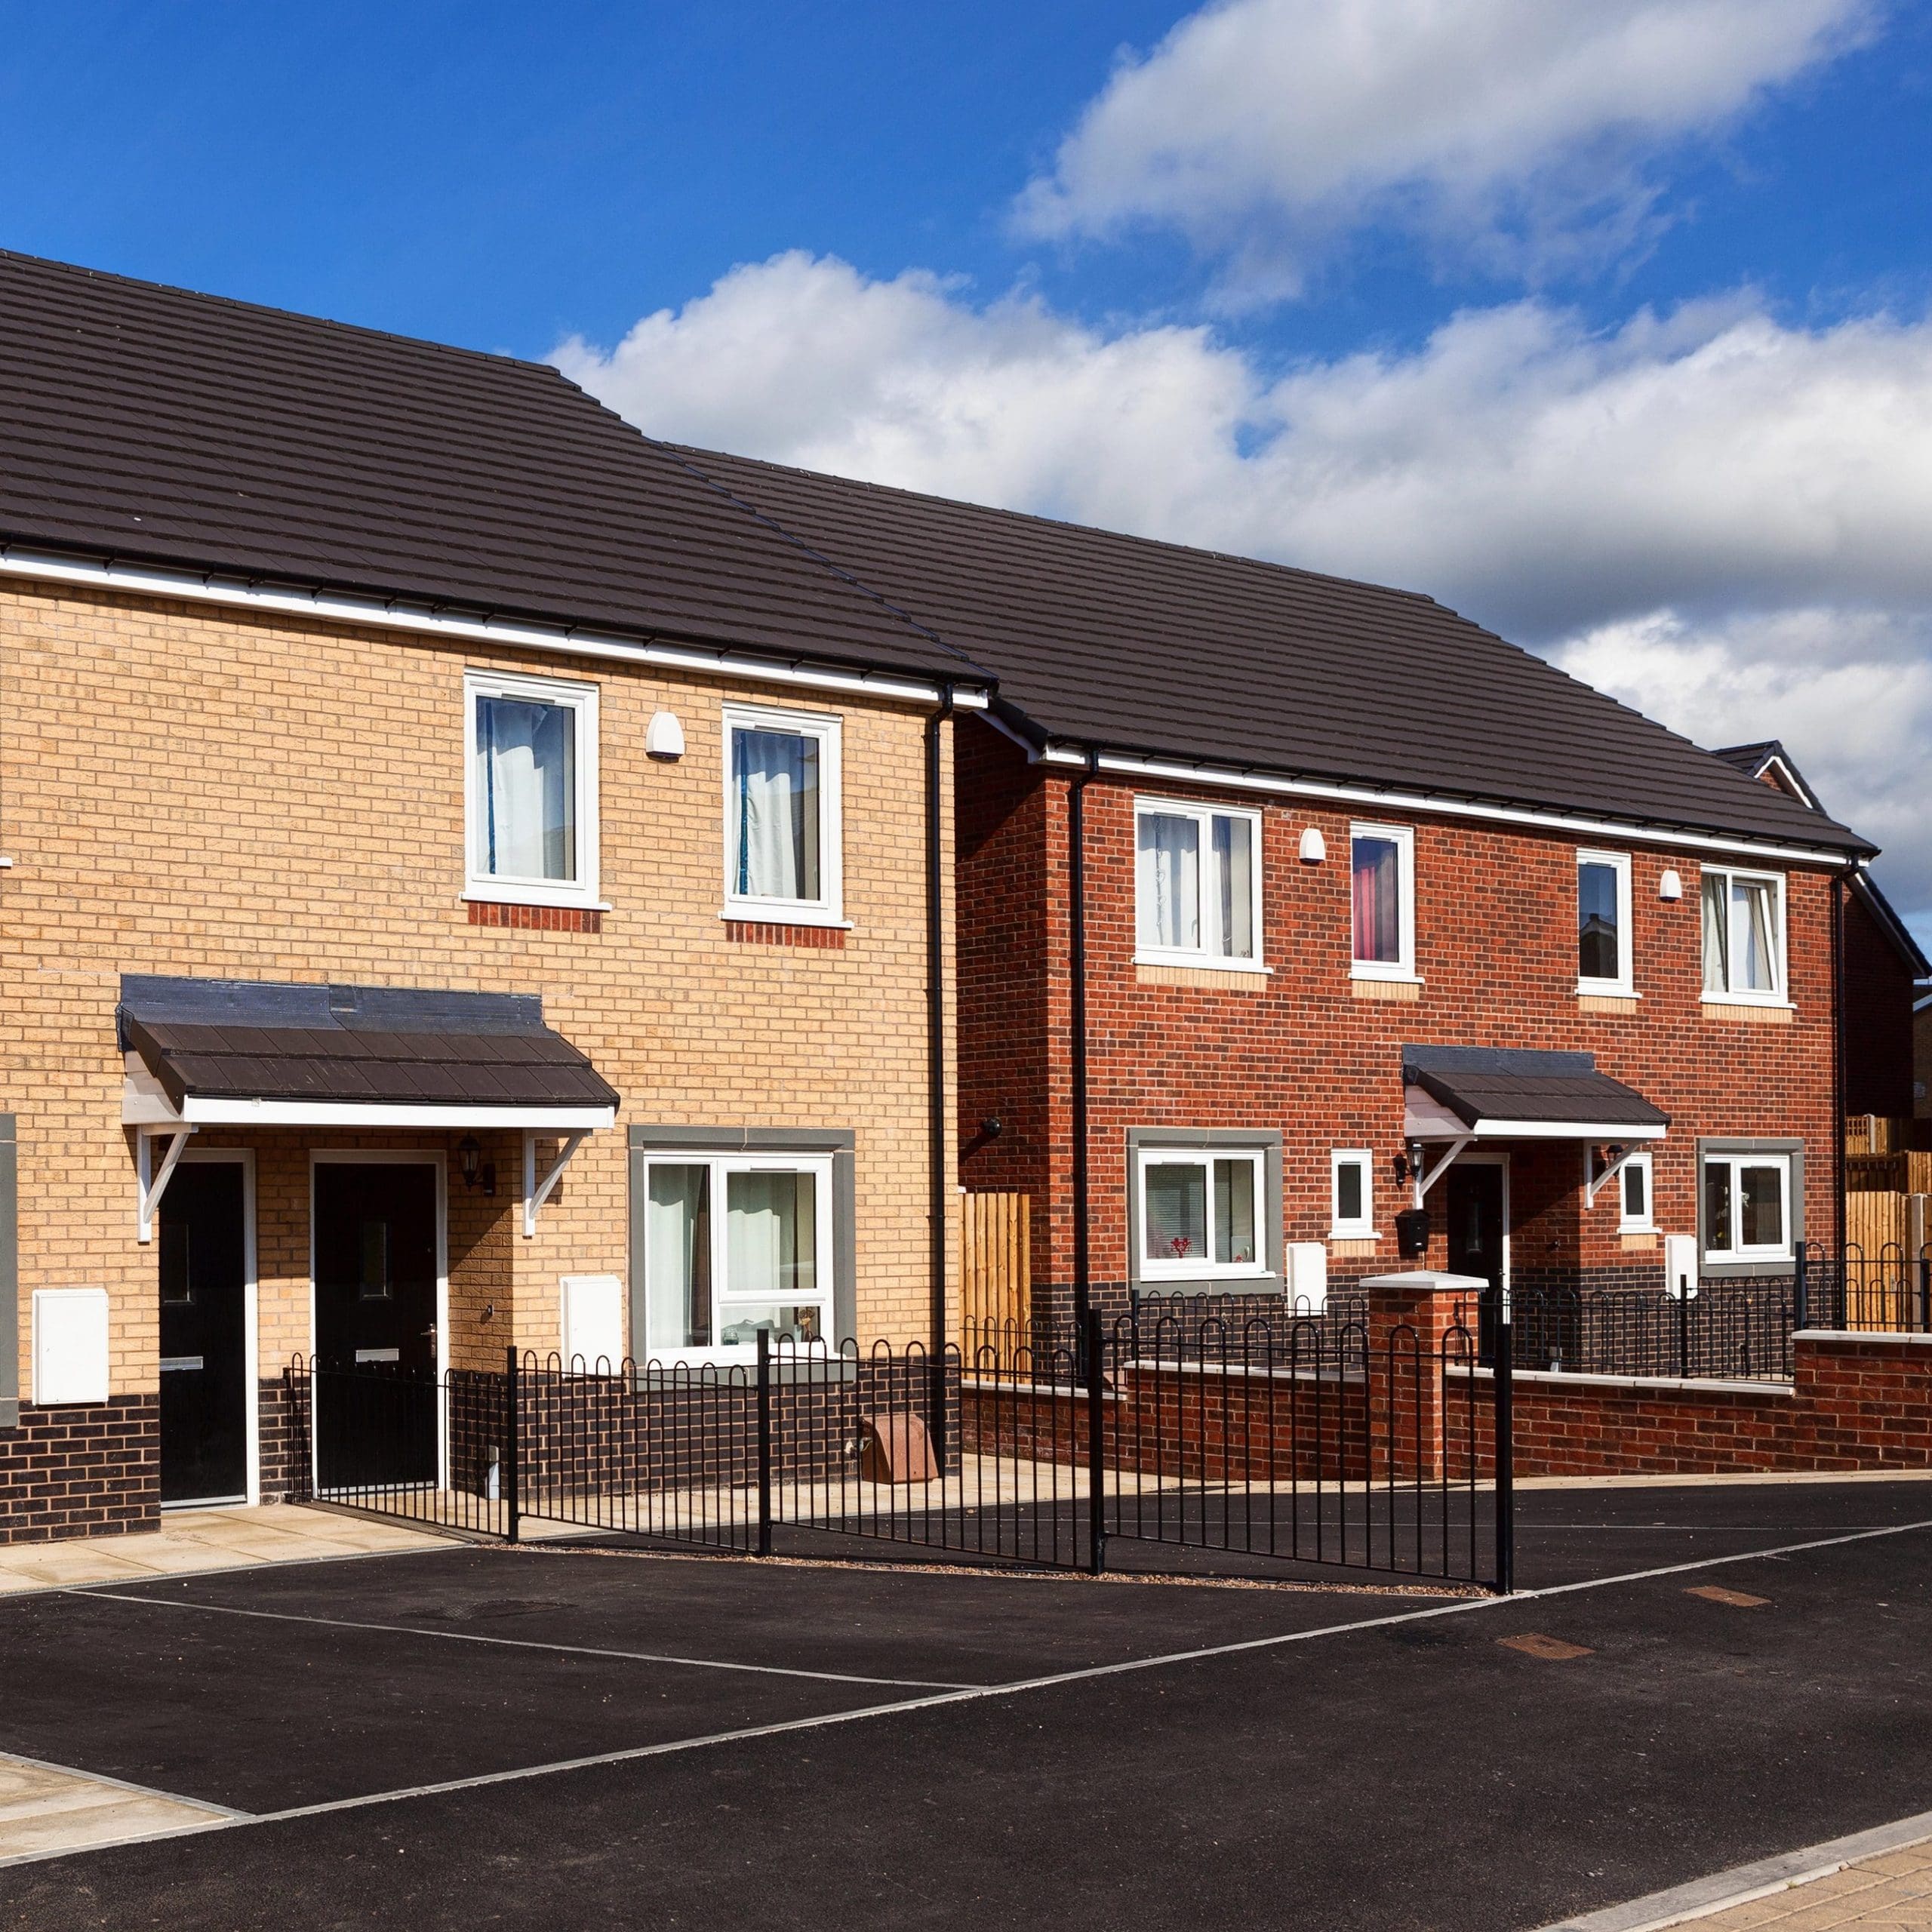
x=1174, y=1440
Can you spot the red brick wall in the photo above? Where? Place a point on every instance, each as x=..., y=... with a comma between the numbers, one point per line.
x=1495, y=945
x=1879, y=991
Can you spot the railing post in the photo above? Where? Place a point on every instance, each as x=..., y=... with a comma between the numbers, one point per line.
x=764, y=1442
x=1925, y=1294
x=1504, y=1404
x=1800, y=1286
x=512, y=1471
x=1096, y=1444
x=1683, y=1333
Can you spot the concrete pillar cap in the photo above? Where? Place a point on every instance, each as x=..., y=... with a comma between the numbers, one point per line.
x=1428, y=1281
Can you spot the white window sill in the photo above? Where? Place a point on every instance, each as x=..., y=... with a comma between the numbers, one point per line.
x=1785, y=1259
x=1771, y=1000
x=1605, y=989
x=1631, y=1228
x=1208, y=962
x=1202, y=1277
x=1353, y=1234
x=763, y=913
x=1388, y=976
x=482, y=893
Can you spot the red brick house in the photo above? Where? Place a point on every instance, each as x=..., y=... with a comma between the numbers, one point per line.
x=1884, y=964
x=1290, y=906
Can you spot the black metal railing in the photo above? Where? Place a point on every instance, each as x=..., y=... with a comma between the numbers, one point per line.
x=1886, y=1290
x=1305, y=1441
x=1731, y=1330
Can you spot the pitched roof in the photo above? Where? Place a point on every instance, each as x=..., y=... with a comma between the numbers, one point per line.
x=155, y=424
x=1125, y=644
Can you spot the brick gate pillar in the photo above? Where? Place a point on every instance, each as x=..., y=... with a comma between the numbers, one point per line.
x=1409, y=1318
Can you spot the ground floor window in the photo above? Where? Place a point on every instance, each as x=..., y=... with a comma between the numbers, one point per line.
x=1634, y=1196
x=734, y=1244
x=1205, y=1208
x=1747, y=1206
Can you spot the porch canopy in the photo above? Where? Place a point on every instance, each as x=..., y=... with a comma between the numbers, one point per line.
x=259, y=1053
x=1467, y=1093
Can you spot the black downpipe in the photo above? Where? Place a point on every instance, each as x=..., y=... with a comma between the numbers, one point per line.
x=1076, y=929
x=939, y=1122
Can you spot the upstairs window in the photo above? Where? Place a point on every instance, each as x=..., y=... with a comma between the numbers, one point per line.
x=1383, y=889
x=1747, y=1206
x=1351, y=1189
x=532, y=789
x=1198, y=888
x=1603, y=922
x=1200, y=1214
x=781, y=817
x=1743, y=924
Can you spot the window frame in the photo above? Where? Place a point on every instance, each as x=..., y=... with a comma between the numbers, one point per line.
x=1780, y=994
x=1207, y=1270
x=1646, y=1223
x=1152, y=806
x=502, y=888
x=829, y=907
x=1402, y=968
x=1624, y=985
x=1740, y=1258
x=1363, y=1227
x=721, y=1163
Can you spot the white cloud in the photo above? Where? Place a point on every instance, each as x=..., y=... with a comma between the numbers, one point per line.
x=1526, y=131
x=1684, y=501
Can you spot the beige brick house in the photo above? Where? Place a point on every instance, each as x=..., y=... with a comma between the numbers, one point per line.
x=471, y=882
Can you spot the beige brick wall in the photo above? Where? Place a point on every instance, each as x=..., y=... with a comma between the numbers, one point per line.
x=191, y=791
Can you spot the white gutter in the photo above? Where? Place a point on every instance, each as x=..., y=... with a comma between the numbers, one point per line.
x=373, y=613
x=1234, y=779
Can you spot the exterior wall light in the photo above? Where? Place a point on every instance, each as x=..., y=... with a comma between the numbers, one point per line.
x=1670, y=886
x=477, y=1172
x=1314, y=847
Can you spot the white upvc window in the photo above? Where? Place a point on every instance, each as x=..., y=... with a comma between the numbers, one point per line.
x=1352, y=1193
x=1635, y=1204
x=1198, y=884
x=1201, y=1214
x=1382, y=869
x=733, y=1244
x=530, y=758
x=1603, y=923
x=1747, y=1206
x=783, y=858
x=1743, y=920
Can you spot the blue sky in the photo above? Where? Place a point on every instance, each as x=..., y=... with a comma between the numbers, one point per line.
x=1607, y=323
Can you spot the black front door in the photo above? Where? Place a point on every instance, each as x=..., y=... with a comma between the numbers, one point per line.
x=376, y=1386
x=205, y=1367
x=1474, y=1207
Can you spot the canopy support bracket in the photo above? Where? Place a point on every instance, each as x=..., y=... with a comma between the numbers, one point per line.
x=534, y=1195
x=151, y=1182
x=1594, y=1182
x=1426, y=1178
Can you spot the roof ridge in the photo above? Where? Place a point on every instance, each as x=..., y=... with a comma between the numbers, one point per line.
x=1068, y=523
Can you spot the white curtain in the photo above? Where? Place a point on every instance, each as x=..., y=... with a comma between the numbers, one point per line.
x=1232, y=888
x=1170, y=893
x=1755, y=934
x=677, y=1258
x=776, y=778
x=770, y=1235
x=527, y=770
x=1717, y=937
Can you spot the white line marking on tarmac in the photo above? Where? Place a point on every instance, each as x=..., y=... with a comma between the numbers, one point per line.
x=976, y=1693
x=523, y=1643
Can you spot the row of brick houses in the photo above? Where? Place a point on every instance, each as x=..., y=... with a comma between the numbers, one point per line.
x=477, y=877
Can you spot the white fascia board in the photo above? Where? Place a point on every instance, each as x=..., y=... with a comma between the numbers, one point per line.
x=339, y=607
x=1234, y=779
x=1563, y=1130
x=204, y=1112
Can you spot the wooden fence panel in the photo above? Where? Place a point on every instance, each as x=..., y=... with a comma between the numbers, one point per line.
x=995, y=1263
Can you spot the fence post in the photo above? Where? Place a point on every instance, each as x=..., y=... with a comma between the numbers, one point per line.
x=512, y=1470
x=764, y=1442
x=1504, y=1404
x=1925, y=1294
x=1096, y=1444
x=1800, y=1286
x=1682, y=1330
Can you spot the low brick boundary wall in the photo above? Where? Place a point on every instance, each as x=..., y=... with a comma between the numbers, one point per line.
x=86, y=1470
x=1858, y=1401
